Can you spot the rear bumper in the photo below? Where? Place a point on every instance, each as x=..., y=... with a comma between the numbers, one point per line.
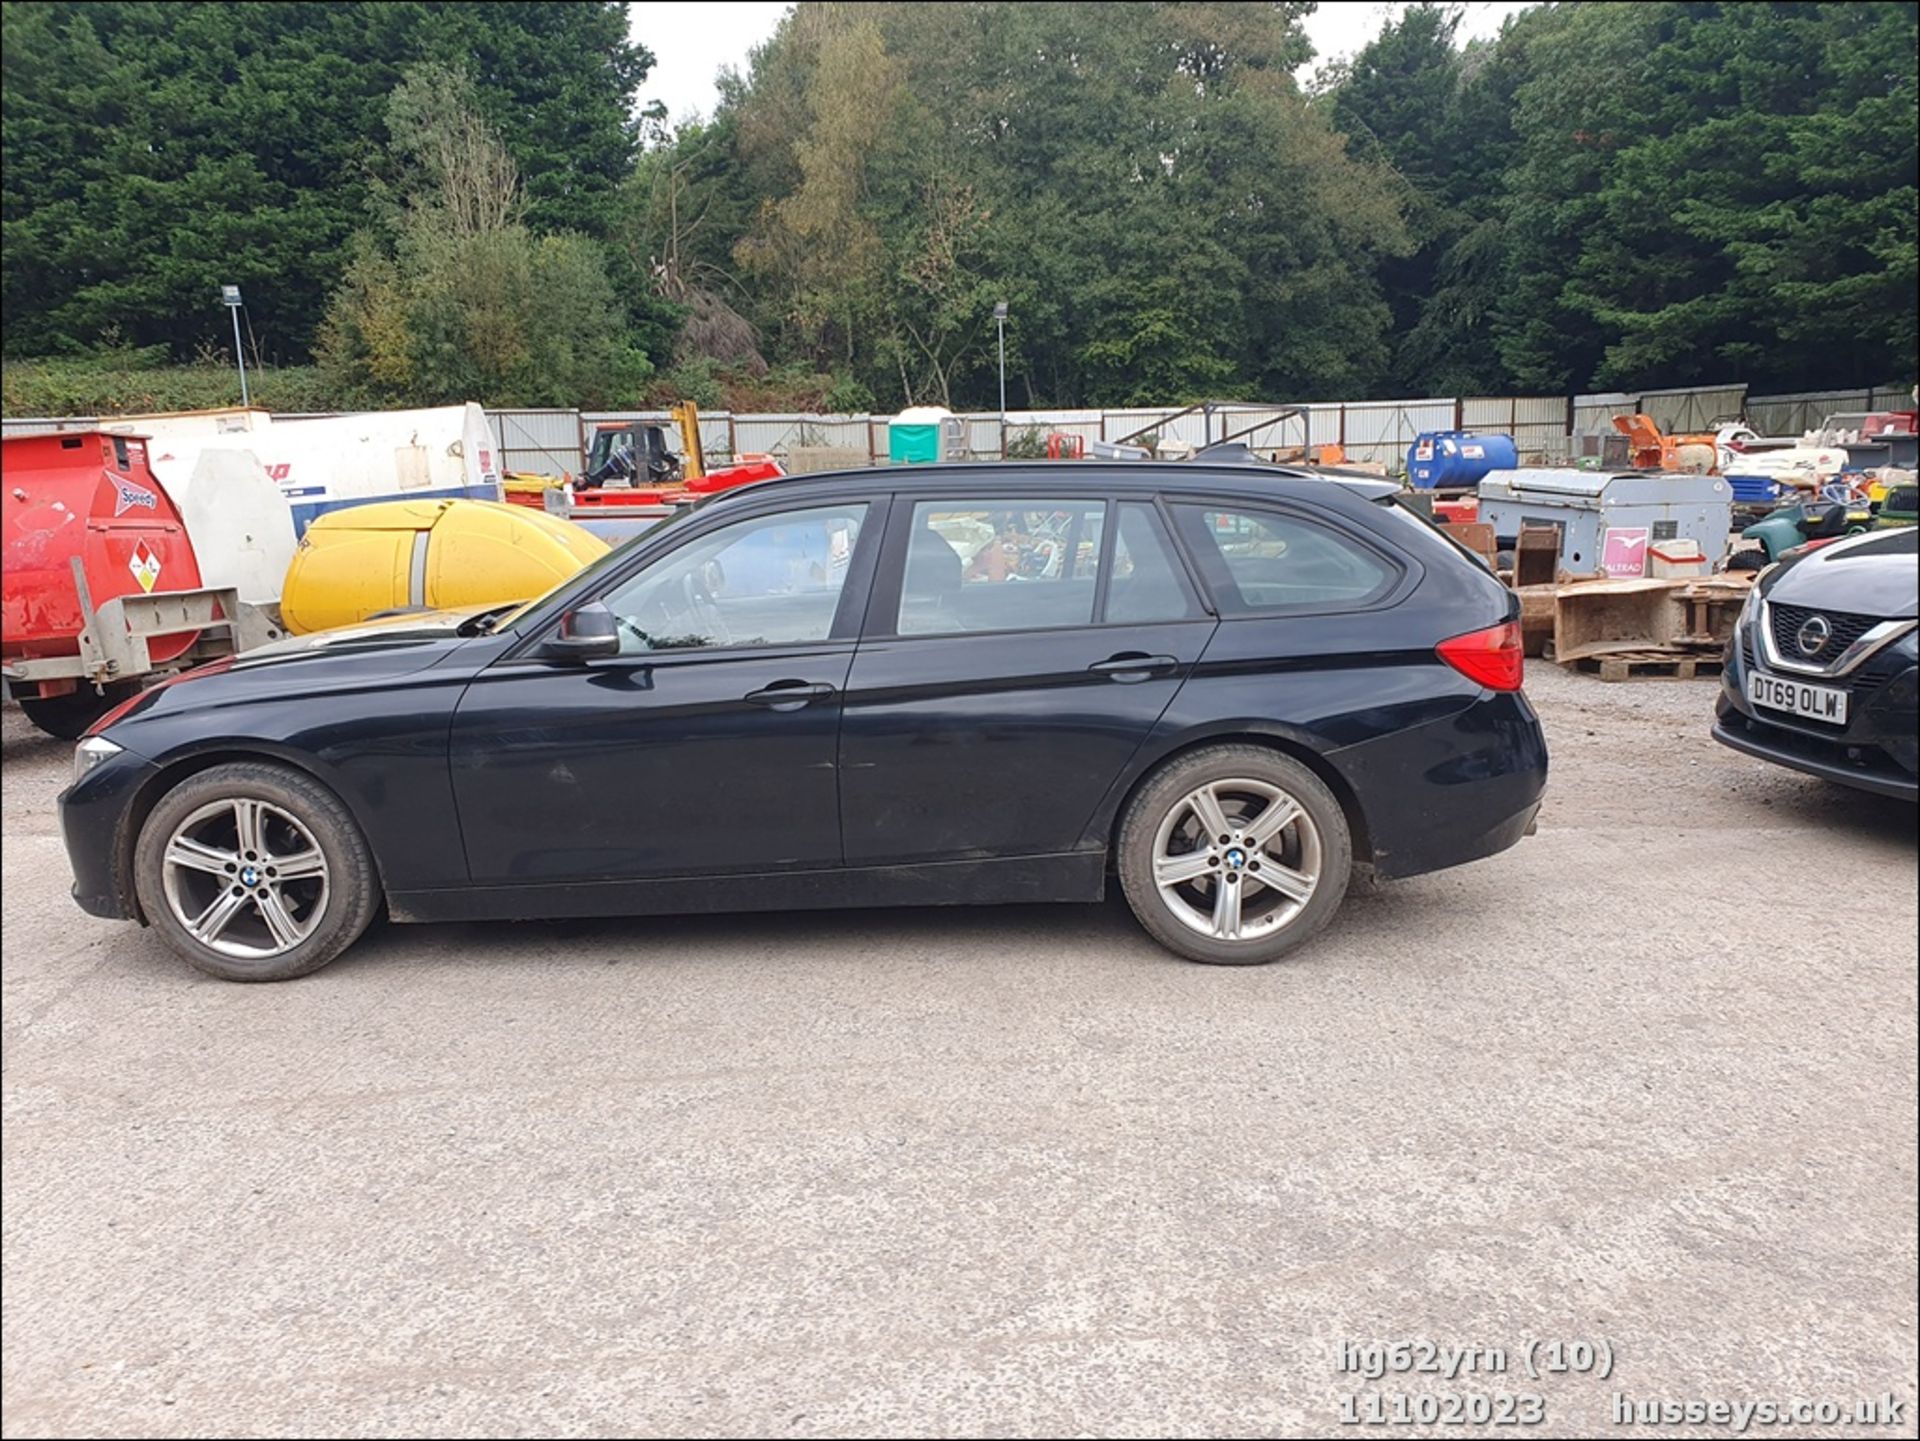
x=1453, y=790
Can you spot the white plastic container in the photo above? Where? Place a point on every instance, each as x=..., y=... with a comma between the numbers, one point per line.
x=1676, y=558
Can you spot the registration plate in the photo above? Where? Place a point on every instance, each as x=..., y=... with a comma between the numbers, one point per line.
x=1815, y=702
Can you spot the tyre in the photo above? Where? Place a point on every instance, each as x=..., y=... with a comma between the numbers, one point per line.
x=254, y=872
x=1234, y=855
x=66, y=717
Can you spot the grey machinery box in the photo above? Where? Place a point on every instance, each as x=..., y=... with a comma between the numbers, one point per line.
x=1585, y=504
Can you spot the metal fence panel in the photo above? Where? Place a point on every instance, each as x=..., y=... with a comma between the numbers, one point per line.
x=1803, y=410
x=1696, y=409
x=1489, y=413
x=1380, y=432
x=1325, y=424
x=1029, y=429
x=1264, y=427
x=773, y=434
x=1537, y=423
x=1594, y=414
x=1121, y=424
x=981, y=436
x=538, y=442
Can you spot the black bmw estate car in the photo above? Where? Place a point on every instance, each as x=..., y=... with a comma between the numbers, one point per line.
x=1223, y=685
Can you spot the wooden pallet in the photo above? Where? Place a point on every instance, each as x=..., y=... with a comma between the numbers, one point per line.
x=1646, y=665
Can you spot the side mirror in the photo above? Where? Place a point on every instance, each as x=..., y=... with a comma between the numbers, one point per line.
x=587, y=632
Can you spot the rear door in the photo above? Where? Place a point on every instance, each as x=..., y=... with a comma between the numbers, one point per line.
x=1018, y=648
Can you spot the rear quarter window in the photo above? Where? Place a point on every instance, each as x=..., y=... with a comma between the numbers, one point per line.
x=1429, y=543
x=1262, y=562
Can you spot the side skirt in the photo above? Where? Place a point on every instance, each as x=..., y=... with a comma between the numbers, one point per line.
x=1071, y=876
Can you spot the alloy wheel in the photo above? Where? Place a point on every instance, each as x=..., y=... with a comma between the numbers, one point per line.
x=1237, y=860
x=245, y=878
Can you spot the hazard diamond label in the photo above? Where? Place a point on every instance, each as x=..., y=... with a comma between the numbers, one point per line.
x=145, y=566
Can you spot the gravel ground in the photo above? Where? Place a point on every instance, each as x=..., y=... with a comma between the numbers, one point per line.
x=1647, y=1080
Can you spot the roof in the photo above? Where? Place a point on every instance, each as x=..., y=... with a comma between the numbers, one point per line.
x=1083, y=475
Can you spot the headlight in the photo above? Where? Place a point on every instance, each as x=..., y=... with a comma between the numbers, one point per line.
x=90, y=753
x=1750, y=612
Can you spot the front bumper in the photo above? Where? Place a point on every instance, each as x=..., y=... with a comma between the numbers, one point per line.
x=1877, y=750
x=97, y=819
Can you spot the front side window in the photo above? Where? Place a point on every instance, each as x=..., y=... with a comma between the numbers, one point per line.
x=770, y=580
x=995, y=565
x=1260, y=560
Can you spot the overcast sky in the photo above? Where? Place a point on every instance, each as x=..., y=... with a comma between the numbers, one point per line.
x=692, y=39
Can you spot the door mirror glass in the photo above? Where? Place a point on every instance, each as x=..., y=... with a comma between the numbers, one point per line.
x=586, y=632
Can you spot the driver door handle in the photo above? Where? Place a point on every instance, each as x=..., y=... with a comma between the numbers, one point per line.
x=1132, y=666
x=789, y=694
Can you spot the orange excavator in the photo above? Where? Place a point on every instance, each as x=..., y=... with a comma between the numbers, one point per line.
x=1650, y=448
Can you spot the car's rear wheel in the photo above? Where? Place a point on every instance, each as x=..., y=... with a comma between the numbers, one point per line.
x=254, y=872
x=1234, y=855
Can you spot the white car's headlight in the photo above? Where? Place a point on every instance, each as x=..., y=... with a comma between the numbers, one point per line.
x=90, y=753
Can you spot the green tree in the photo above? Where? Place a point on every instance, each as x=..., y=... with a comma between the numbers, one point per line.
x=1163, y=211
x=1401, y=101
x=151, y=152
x=1708, y=191
x=452, y=297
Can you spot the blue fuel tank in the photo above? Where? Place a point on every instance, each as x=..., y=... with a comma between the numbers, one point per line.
x=1456, y=459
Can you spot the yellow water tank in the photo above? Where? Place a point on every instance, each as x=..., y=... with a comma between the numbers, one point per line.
x=358, y=562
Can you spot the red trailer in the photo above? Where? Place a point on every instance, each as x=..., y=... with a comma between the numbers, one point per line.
x=101, y=586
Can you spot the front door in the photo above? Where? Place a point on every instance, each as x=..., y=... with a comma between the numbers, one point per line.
x=1019, y=652
x=706, y=746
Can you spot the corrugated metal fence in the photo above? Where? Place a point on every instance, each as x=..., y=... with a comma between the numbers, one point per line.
x=1544, y=428
x=1793, y=414
x=540, y=442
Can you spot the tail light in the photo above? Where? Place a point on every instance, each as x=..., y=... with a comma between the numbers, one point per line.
x=1492, y=657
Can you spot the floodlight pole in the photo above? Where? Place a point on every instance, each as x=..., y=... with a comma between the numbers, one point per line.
x=230, y=296
x=1000, y=320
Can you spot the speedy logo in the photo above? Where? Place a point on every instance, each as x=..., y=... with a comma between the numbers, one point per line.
x=127, y=495
x=145, y=566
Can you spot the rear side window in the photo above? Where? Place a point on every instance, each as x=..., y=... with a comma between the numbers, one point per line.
x=1021, y=565
x=1147, y=584
x=1262, y=561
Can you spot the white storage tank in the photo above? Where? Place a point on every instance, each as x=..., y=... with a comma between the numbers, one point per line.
x=442, y=453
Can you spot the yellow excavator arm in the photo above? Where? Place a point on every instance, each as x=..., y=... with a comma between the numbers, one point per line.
x=687, y=415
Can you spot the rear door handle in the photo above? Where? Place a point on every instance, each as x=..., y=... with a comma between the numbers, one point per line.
x=1134, y=666
x=789, y=694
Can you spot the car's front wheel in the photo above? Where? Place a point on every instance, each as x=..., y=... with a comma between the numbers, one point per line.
x=254, y=872
x=1234, y=855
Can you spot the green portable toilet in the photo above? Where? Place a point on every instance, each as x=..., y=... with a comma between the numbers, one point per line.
x=924, y=434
